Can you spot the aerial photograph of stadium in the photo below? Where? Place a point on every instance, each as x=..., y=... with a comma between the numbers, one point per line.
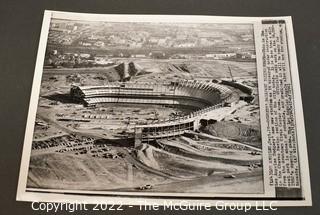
x=148, y=107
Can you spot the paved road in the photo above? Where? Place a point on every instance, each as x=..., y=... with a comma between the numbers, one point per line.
x=200, y=183
x=224, y=139
x=213, y=180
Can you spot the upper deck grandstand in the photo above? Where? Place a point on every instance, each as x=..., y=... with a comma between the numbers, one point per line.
x=186, y=93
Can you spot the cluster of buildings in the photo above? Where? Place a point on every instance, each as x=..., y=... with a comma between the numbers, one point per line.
x=56, y=59
x=111, y=35
x=143, y=40
x=63, y=33
x=127, y=41
x=241, y=56
x=232, y=55
x=75, y=60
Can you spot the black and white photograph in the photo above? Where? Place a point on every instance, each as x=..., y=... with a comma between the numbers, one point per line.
x=156, y=107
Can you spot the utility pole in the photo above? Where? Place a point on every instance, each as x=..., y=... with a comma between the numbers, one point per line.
x=128, y=123
x=231, y=74
x=130, y=174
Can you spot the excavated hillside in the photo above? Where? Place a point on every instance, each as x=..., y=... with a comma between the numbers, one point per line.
x=235, y=131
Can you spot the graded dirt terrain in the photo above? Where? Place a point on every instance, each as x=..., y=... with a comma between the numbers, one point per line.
x=90, y=148
x=194, y=69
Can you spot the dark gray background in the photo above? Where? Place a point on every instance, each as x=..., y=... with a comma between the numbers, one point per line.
x=20, y=25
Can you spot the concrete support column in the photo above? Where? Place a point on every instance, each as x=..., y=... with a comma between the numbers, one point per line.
x=196, y=124
x=137, y=137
